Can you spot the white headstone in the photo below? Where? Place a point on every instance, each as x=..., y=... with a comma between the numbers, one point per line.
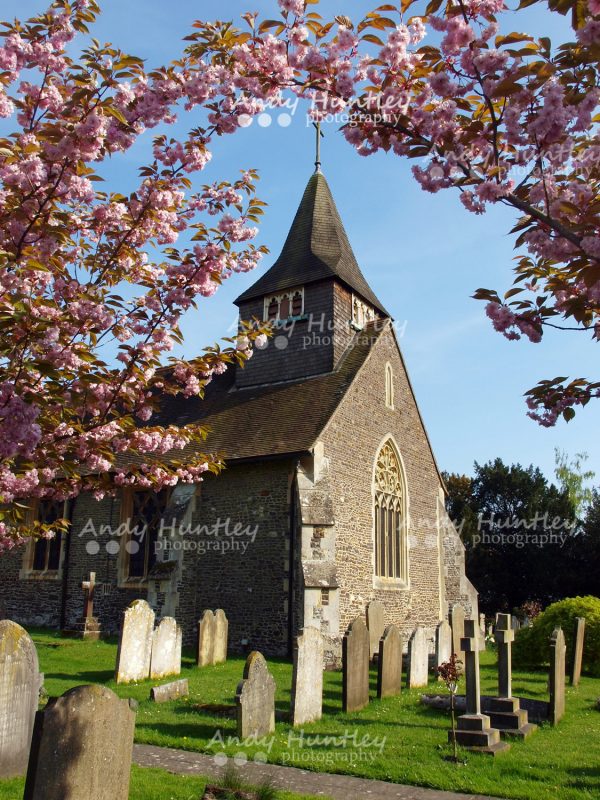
x=418, y=659
x=135, y=643
x=307, y=678
x=166, y=649
x=221, y=633
x=443, y=642
x=376, y=625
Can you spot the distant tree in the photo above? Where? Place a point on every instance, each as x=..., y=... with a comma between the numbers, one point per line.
x=520, y=534
x=573, y=478
x=588, y=550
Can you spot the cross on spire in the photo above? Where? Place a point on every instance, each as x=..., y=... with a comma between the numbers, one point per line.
x=319, y=134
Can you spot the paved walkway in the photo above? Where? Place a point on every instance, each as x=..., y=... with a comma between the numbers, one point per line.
x=336, y=787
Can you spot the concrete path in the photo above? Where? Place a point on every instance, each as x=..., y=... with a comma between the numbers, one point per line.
x=336, y=787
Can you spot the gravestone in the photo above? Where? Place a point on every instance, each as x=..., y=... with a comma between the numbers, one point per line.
x=505, y=710
x=135, y=643
x=557, y=676
x=170, y=691
x=255, y=699
x=355, y=666
x=221, y=634
x=166, y=649
x=482, y=624
x=389, y=663
x=376, y=625
x=577, y=651
x=206, y=639
x=418, y=658
x=81, y=748
x=89, y=626
x=473, y=728
x=457, y=621
x=19, y=694
x=307, y=677
x=443, y=642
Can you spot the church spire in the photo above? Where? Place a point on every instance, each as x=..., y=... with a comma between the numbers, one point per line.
x=316, y=248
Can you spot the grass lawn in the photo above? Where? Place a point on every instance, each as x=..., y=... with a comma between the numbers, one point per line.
x=401, y=739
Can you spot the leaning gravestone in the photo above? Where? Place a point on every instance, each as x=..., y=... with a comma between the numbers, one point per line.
x=457, y=620
x=307, y=678
x=577, y=651
x=221, y=634
x=557, y=676
x=19, y=694
x=389, y=663
x=376, y=625
x=255, y=699
x=170, y=691
x=206, y=639
x=418, y=658
x=81, y=748
x=135, y=643
x=166, y=649
x=443, y=642
x=355, y=666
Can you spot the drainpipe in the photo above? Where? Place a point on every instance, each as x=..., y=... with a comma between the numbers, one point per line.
x=292, y=558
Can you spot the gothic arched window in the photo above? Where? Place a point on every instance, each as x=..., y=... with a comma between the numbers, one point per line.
x=391, y=545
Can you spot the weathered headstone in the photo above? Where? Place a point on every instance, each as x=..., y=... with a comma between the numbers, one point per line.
x=206, y=639
x=307, y=678
x=255, y=699
x=355, y=666
x=443, y=642
x=81, y=748
x=166, y=649
x=170, y=691
x=505, y=711
x=457, y=621
x=473, y=728
x=579, y=635
x=135, y=643
x=19, y=695
x=221, y=634
x=557, y=676
x=376, y=625
x=418, y=658
x=482, y=624
x=389, y=663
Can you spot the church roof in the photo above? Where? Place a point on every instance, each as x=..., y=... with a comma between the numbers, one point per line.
x=316, y=248
x=273, y=419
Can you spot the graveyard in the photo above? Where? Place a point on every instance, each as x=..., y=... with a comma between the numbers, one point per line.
x=561, y=761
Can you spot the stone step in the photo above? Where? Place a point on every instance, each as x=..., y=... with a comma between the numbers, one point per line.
x=504, y=704
x=476, y=738
x=508, y=721
x=519, y=733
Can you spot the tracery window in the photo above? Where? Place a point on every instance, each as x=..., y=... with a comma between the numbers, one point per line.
x=285, y=305
x=391, y=544
x=142, y=512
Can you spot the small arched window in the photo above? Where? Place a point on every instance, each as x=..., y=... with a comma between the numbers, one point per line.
x=389, y=386
x=391, y=536
x=284, y=306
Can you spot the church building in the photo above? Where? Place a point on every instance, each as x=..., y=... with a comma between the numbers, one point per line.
x=331, y=496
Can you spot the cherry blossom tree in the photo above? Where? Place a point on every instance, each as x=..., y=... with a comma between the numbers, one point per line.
x=498, y=116
x=92, y=285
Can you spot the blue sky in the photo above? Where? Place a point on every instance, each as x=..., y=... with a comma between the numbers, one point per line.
x=423, y=254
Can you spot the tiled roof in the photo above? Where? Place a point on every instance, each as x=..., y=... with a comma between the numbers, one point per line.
x=274, y=419
x=316, y=248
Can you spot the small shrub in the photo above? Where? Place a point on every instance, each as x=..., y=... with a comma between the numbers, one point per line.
x=532, y=645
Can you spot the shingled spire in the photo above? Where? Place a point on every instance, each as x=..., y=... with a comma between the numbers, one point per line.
x=316, y=249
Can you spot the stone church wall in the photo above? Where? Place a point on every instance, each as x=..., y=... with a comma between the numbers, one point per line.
x=351, y=442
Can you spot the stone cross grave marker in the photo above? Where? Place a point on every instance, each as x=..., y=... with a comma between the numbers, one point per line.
x=418, y=658
x=206, y=639
x=19, y=693
x=389, y=663
x=443, y=642
x=505, y=710
x=135, y=643
x=355, y=666
x=577, y=651
x=221, y=635
x=89, y=626
x=473, y=728
x=166, y=649
x=82, y=746
x=255, y=699
x=376, y=626
x=457, y=620
x=557, y=676
x=307, y=677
